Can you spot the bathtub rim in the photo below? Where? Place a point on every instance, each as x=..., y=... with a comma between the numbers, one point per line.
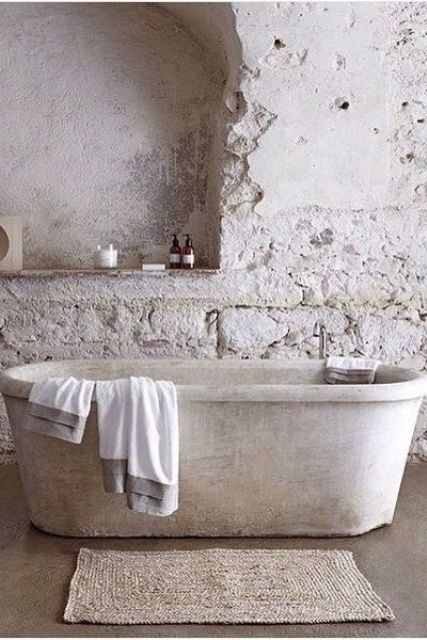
x=409, y=385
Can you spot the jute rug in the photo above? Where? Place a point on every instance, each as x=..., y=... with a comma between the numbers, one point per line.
x=223, y=586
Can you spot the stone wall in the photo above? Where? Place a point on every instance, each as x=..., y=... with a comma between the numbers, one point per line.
x=322, y=201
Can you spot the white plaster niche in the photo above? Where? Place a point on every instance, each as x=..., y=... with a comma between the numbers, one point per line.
x=116, y=129
x=10, y=243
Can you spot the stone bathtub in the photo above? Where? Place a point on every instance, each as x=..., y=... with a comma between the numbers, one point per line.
x=266, y=449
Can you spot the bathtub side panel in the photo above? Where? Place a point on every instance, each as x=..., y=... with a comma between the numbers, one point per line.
x=246, y=468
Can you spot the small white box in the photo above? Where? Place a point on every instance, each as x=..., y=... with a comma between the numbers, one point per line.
x=153, y=267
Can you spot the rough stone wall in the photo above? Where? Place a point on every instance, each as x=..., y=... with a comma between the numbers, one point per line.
x=322, y=211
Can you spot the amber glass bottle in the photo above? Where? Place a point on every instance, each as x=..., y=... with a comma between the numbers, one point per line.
x=175, y=254
x=187, y=255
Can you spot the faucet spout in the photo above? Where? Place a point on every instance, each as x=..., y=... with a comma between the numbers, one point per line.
x=321, y=333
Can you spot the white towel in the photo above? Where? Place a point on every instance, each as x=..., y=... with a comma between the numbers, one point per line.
x=139, y=442
x=348, y=370
x=59, y=407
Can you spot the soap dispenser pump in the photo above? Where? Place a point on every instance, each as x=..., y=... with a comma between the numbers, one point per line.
x=188, y=255
x=175, y=254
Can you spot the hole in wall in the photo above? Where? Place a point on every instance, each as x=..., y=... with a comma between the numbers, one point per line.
x=278, y=43
x=4, y=243
x=340, y=104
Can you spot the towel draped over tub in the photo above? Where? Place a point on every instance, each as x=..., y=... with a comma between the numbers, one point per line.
x=137, y=428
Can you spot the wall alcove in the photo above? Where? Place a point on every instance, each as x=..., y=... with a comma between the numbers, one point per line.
x=113, y=130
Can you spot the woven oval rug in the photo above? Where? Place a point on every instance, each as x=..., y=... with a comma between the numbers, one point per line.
x=223, y=586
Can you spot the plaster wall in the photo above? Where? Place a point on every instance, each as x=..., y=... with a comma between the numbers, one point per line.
x=107, y=117
x=322, y=201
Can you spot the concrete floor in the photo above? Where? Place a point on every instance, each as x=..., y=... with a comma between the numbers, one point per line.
x=35, y=571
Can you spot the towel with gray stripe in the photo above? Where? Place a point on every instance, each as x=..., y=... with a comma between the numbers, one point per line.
x=350, y=370
x=137, y=433
x=138, y=442
x=59, y=407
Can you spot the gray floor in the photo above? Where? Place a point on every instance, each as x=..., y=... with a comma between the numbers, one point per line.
x=35, y=570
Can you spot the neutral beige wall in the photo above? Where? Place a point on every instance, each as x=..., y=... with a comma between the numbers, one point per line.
x=106, y=119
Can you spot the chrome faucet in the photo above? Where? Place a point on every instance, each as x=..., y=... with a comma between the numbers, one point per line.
x=321, y=333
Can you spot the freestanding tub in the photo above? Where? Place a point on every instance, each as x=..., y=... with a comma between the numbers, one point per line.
x=266, y=449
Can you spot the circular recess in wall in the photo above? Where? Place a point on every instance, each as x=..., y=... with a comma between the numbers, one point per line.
x=4, y=243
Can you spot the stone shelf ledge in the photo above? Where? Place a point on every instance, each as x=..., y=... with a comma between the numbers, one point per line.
x=30, y=273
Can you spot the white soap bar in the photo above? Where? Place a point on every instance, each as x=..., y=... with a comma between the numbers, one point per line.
x=153, y=267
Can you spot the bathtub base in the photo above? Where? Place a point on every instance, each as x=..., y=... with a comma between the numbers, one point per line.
x=90, y=533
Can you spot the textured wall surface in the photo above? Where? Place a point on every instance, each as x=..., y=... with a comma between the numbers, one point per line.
x=323, y=205
x=106, y=128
